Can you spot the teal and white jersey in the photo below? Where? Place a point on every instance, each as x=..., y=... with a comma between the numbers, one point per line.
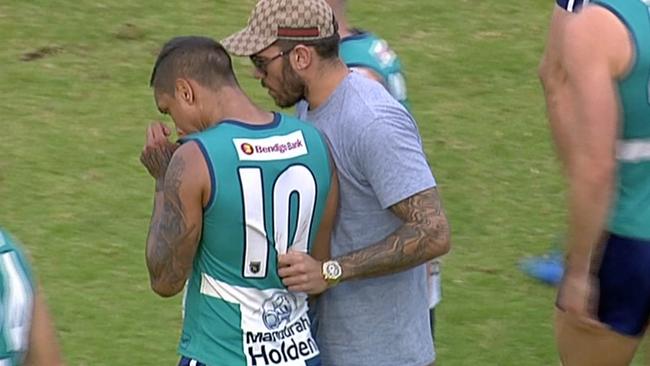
x=630, y=215
x=364, y=49
x=16, y=302
x=269, y=188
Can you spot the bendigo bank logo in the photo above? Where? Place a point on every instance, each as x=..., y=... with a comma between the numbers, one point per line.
x=279, y=148
x=277, y=310
x=271, y=148
x=247, y=148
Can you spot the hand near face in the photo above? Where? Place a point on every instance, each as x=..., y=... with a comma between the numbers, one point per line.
x=158, y=150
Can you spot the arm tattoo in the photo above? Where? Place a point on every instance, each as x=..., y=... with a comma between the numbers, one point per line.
x=156, y=159
x=423, y=236
x=168, y=258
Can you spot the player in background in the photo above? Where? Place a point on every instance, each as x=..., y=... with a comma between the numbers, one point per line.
x=27, y=335
x=244, y=186
x=371, y=56
x=602, y=304
x=549, y=268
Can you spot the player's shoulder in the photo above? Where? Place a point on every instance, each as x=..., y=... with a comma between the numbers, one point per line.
x=572, y=6
x=367, y=42
x=188, y=146
x=189, y=157
x=12, y=252
x=6, y=242
x=358, y=36
x=597, y=37
x=593, y=20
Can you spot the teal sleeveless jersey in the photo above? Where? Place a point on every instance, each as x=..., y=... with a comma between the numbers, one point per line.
x=367, y=50
x=16, y=302
x=269, y=188
x=630, y=215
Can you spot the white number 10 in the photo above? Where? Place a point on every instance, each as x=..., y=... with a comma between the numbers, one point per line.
x=296, y=178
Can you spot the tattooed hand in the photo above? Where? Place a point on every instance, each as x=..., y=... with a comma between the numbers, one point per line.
x=158, y=150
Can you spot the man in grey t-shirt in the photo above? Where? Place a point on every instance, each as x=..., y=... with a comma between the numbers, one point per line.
x=390, y=217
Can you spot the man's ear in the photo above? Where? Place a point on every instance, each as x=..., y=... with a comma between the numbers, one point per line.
x=184, y=91
x=301, y=57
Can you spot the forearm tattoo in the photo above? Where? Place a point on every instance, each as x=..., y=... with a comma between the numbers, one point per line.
x=424, y=235
x=168, y=260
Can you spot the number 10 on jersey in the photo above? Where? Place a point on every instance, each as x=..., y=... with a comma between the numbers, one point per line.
x=296, y=179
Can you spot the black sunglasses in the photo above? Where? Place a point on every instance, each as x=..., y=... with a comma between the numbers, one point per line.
x=261, y=63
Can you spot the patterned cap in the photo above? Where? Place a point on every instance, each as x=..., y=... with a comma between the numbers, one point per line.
x=301, y=20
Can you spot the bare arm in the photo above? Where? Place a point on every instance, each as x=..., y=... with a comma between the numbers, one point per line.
x=423, y=236
x=557, y=93
x=43, y=344
x=596, y=52
x=177, y=219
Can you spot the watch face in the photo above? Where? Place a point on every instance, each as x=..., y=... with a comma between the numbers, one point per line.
x=333, y=270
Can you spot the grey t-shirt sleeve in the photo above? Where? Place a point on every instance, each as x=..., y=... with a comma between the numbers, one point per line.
x=391, y=157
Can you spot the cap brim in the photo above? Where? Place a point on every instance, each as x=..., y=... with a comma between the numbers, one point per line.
x=246, y=43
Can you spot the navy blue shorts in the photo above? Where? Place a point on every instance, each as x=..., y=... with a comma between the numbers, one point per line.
x=572, y=5
x=624, y=280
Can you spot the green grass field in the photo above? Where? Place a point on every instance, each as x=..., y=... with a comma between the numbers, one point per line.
x=74, y=83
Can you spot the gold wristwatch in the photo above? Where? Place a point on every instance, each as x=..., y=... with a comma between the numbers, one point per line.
x=332, y=272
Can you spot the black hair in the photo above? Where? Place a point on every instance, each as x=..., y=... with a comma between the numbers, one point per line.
x=199, y=58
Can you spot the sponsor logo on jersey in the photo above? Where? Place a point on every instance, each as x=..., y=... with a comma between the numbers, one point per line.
x=273, y=322
x=271, y=148
x=278, y=347
x=287, y=337
x=255, y=267
x=247, y=148
x=277, y=310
